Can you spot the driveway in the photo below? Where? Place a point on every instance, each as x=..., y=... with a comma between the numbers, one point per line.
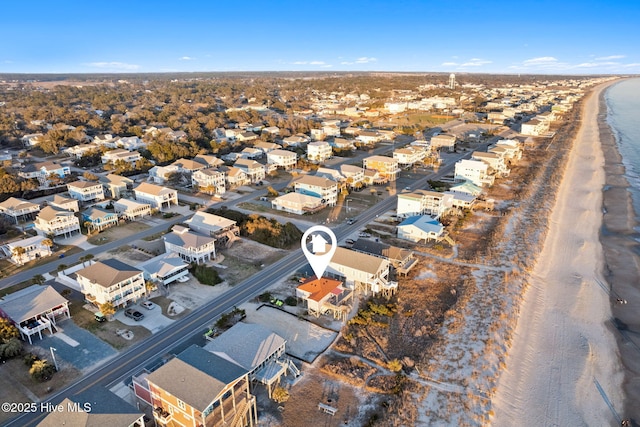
x=75, y=346
x=153, y=320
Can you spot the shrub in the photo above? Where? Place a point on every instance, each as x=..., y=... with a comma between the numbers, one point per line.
x=29, y=358
x=280, y=394
x=205, y=275
x=292, y=301
x=265, y=297
x=41, y=370
x=10, y=348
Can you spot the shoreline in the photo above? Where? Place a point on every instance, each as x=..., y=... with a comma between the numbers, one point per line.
x=622, y=263
x=563, y=367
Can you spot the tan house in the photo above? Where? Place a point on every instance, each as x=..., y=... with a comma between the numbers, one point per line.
x=56, y=222
x=192, y=247
x=19, y=210
x=131, y=209
x=65, y=203
x=111, y=281
x=362, y=272
x=115, y=185
x=386, y=166
x=86, y=191
x=157, y=196
x=443, y=141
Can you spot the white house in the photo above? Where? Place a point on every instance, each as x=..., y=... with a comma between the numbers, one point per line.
x=421, y=202
x=255, y=171
x=158, y=197
x=466, y=187
x=56, y=222
x=165, y=268
x=192, y=247
x=316, y=186
x=43, y=170
x=212, y=225
x=495, y=162
x=353, y=174
x=159, y=174
x=18, y=209
x=116, y=185
x=31, y=248
x=64, y=203
x=409, y=155
x=534, y=127
x=131, y=209
x=319, y=151
x=297, y=203
x=31, y=140
x=111, y=281
x=282, y=158
x=369, y=137
x=209, y=180
x=475, y=171
x=420, y=228
x=85, y=191
x=120, y=154
x=363, y=272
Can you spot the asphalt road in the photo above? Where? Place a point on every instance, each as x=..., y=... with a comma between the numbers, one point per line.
x=148, y=352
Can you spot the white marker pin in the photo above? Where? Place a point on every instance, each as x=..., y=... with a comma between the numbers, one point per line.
x=321, y=257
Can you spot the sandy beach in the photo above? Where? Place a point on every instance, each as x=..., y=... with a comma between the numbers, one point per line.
x=564, y=366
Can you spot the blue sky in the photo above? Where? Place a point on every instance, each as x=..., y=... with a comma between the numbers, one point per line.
x=491, y=36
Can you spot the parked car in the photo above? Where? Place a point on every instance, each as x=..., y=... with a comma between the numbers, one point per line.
x=349, y=241
x=148, y=305
x=364, y=235
x=133, y=314
x=100, y=317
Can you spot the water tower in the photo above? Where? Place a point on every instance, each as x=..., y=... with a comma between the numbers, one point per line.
x=452, y=81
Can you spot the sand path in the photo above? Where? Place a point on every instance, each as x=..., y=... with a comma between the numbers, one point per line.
x=563, y=348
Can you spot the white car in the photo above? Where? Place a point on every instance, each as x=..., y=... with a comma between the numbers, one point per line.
x=148, y=305
x=182, y=279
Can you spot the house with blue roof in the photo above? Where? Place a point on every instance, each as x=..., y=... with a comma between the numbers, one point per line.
x=420, y=228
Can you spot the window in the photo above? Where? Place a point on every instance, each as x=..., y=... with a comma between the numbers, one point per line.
x=181, y=404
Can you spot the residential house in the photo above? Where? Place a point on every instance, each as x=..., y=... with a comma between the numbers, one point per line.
x=234, y=177
x=57, y=222
x=210, y=181
x=188, y=166
x=362, y=272
x=208, y=160
x=319, y=151
x=266, y=147
x=131, y=209
x=86, y=191
x=445, y=141
x=331, y=130
x=460, y=200
x=260, y=351
x=160, y=174
x=34, y=309
x=495, y=162
x=295, y=140
x=198, y=388
x=121, y=155
x=99, y=219
x=410, y=155
x=512, y=149
x=422, y=202
x=96, y=406
x=191, y=246
x=534, y=127
x=372, y=176
x=65, y=203
x=369, y=137
x=271, y=130
x=297, y=203
x=387, y=166
x=255, y=171
x=251, y=153
x=31, y=140
x=420, y=228
x=342, y=144
x=316, y=186
x=246, y=136
x=353, y=174
x=158, y=197
x=402, y=260
x=282, y=158
x=79, y=151
x=18, y=210
x=213, y=225
x=325, y=295
x=466, y=187
x=331, y=174
x=111, y=281
x=476, y=171
x=25, y=250
x=42, y=171
x=165, y=269
x=130, y=143
x=116, y=186
x=102, y=139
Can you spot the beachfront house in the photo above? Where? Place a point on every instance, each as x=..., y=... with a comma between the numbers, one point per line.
x=420, y=228
x=362, y=272
x=96, y=219
x=198, y=388
x=494, y=160
x=65, y=203
x=297, y=203
x=323, y=188
x=325, y=295
x=423, y=202
x=443, y=141
x=476, y=171
x=111, y=281
x=402, y=260
x=191, y=246
x=319, y=151
x=25, y=250
x=131, y=210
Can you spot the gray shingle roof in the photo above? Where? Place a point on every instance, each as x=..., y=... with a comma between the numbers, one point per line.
x=108, y=272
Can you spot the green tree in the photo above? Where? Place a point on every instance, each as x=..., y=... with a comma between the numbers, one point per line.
x=42, y=370
x=38, y=279
x=394, y=365
x=18, y=252
x=47, y=243
x=11, y=348
x=107, y=309
x=90, y=176
x=7, y=330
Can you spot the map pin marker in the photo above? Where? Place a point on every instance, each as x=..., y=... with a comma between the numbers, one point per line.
x=319, y=257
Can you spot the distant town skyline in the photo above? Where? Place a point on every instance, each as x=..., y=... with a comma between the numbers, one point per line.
x=542, y=37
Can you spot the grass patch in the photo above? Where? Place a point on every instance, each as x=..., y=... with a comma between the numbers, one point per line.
x=205, y=275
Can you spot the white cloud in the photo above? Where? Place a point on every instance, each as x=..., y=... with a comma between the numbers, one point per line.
x=187, y=58
x=361, y=60
x=449, y=64
x=610, y=57
x=309, y=63
x=113, y=65
x=544, y=60
x=475, y=62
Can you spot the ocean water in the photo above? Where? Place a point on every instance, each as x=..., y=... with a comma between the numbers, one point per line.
x=623, y=115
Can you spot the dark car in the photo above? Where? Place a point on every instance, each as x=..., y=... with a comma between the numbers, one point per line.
x=133, y=314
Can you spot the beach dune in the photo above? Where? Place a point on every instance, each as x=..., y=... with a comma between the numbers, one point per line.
x=563, y=367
